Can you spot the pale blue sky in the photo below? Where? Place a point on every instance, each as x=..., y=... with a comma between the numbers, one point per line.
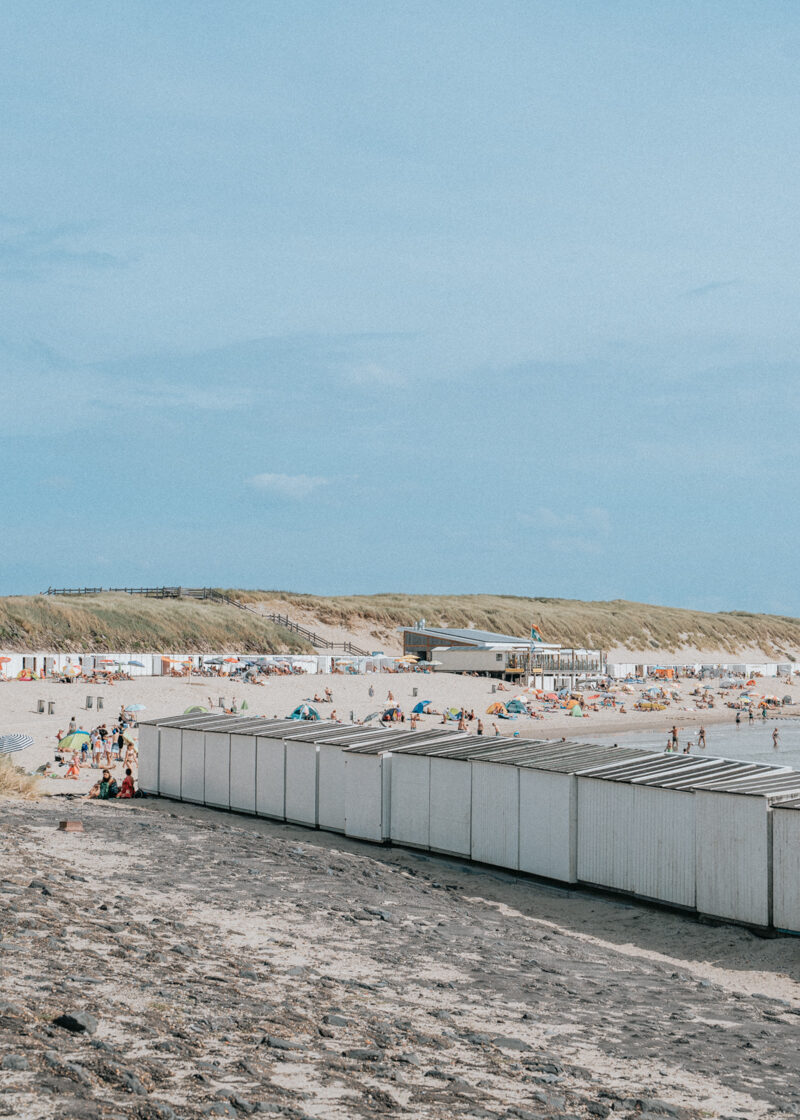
x=428, y=296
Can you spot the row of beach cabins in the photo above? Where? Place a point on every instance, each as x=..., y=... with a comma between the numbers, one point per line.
x=65, y=666
x=714, y=836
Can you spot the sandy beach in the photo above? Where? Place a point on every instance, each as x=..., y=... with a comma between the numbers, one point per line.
x=169, y=696
x=233, y=966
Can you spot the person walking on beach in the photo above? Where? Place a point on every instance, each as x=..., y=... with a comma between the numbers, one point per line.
x=701, y=738
x=675, y=736
x=73, y=726
x=480, y=727
x=775, y=737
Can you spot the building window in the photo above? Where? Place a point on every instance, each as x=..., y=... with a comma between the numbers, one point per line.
x=498, y=657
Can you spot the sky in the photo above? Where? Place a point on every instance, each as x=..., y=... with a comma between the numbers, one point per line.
x=432, y=297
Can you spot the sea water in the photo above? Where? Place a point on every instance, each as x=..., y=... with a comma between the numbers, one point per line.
x=747, y=742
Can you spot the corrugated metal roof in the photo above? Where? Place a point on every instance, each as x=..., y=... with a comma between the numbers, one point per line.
x=477, y=636
x=399, y=740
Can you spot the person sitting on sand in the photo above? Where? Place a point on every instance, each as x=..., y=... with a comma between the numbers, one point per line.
x=127, y=789
x=105, y=788
x=328, y=695
x=318, y=699
x=73, y=770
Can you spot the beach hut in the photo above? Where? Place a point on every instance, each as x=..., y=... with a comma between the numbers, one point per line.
x=734, y=835
x=368, y=780
x=786, y=866
x=286, y=782
x=637, y=824
x=331, y=769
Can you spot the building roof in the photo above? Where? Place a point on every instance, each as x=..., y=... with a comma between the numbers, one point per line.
x=473, y=637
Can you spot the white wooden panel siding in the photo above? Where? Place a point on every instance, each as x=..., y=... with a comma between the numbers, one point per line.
x=331, y=799
x=193, y=766
x=451, y=806
x=301, y=783
x=548, y=817
x=786, y=868
x=243, y=773
x=148, y=758
x=365, y=812
x=271, y=778
x=604, y=833
x=411, y=792
x=495, y=814
x=218, y=769
x=733, y=857
x=169, y=762
x=662, y=845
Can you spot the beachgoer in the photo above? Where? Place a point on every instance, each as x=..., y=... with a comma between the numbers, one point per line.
x=329, y=695
x=371, y=692
x=739, y=718
x=73, y=725
x=775, y=738
x=389, y=696
x=480, y=727
x=674, y=735
x=73, y=770
x=462, y=723
x=106, y=787
x=701, y=737
x=751, y=717
x=127, y=789
x=496, y=729
x=764, y=714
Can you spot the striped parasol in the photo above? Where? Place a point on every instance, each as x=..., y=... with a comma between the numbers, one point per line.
x=14, y=741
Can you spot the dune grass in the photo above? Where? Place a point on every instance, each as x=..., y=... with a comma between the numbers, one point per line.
x=137, y=624
x=602, y=625
x=119, y=622
x=14, y=782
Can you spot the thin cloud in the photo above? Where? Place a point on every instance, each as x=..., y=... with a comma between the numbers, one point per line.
x=707, y=289
x=294, y=486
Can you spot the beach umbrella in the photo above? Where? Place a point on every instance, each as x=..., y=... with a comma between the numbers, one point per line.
x=408, y=657
x=27, y=675
x=14, y=741
x=134, y=707
x=74, y=741
x=419, y=708
x=193, y=709
x=576, y=711
x=129, y=735
x=230, y=660
x=433, y=663
x=138, y=664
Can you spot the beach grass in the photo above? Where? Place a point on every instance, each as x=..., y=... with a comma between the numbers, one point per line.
x=137, y=624
x=14, y=782
x=596, y=625
x=116, y=621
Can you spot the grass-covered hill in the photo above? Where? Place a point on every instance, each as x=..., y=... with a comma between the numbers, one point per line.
x=603, y=625
x=137, y=624
x=123, y=622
